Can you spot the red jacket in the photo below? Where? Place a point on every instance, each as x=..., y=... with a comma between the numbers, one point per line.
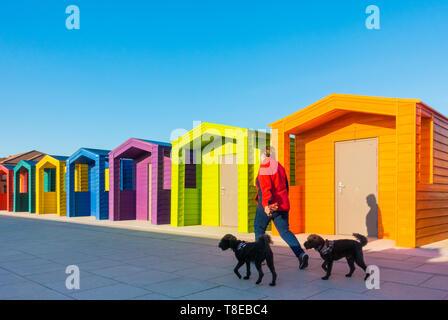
x=273, y=184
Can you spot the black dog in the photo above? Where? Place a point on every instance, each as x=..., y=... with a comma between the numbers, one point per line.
x=335, y=250
x=247, y=252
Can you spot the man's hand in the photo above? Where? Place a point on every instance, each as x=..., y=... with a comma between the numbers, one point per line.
x=267, y=210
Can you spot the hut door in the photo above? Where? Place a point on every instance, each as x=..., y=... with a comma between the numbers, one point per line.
x=356, y=185
x=149, y=190
x=229, y=191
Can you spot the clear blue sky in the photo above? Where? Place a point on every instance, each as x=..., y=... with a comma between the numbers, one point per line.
x=144, y=68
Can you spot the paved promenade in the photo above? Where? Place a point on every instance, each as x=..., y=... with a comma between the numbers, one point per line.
x=135, y=263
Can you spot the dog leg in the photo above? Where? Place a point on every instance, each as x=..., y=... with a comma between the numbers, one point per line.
x=270, y=263
x=351, y=264
x=238, y=266
x=260, y=272
x=247, y=270
x=329, y=267
x=359, y=259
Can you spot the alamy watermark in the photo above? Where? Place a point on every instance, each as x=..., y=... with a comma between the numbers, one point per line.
x=373, y=20
x=73, y=281
x=205, y=145
x=373, y=281
x=73, y=21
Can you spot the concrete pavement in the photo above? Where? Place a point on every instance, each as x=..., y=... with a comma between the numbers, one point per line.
x=130, y=262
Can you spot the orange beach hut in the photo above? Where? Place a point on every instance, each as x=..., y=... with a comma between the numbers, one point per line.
x=377, y=166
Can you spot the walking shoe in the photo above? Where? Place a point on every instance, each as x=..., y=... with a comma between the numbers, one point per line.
x=303, y=261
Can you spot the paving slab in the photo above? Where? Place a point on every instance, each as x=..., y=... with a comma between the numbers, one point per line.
x=204, y=272
x=49, y=277
x=336, y=294
x=25, y=270
x=180, y=287
x=117, y=271
x=231, y=280
x=433, y=268
x=394, y=291
x=29, y=291
x=436, y=282
x=146, y=278
x=154, y=296
x=87, y=282
x=341, y=282
x=173, y=265
x=405, y=277
x=223, y=293
x=98, y=264
x=292, y=293
x=113, y=292
x=8, y=278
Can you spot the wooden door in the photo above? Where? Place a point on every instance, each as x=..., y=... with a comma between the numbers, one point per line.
x=356, y=185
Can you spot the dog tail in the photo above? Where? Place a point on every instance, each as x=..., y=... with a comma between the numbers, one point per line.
x=361, y=239
x=265, y=239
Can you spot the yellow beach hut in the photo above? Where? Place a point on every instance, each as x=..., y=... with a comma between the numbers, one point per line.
x=50, y=185
x=213, y=176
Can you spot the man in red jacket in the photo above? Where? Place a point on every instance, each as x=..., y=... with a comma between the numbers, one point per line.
x=273, y=203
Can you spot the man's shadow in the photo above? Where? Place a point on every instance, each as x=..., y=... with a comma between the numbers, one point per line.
x=372, y=217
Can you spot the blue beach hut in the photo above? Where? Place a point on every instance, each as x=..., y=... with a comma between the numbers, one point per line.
x=87, y=183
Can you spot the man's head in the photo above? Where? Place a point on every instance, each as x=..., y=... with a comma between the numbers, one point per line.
x=267, y=152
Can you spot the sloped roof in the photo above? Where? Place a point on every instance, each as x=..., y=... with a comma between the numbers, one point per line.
x=155, y=142
x=89, y=153
x=60, y=158
x=25, y=163
x=100, y=152
x=32, y=155
x=335, y=105
x=9, y=167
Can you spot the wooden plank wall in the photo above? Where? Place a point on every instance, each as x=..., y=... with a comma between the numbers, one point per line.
x=314, y=191
x=431, y=198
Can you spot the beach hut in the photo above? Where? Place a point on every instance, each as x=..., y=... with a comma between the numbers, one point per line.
x=32, y=155
x=25, y=187
x=214, y=168
x=140, y=181
x=50, y=185
x=377, y=166
x=7, y=176
x=6, y=187
x=87, y=183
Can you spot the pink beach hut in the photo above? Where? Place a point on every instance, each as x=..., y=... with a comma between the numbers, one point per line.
x=140, y=181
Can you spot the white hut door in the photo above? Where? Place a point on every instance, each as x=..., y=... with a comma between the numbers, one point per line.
x=229, y=191
x=356, y=185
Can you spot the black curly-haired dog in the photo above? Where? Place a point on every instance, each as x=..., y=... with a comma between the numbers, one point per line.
x=247, y=252
x=337, y=249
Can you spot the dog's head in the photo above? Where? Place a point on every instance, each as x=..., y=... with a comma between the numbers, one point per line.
x=226, y=241
x=313, y=241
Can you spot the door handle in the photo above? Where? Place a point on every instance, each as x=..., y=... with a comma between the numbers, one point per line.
x=340, y=186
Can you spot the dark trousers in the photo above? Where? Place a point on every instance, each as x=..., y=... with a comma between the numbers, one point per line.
x=281, y=222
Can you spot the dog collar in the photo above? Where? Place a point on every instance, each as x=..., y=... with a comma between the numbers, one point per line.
x=327, y=247
x=241, y=245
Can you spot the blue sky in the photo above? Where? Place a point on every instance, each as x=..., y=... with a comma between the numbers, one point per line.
x=144, y=68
